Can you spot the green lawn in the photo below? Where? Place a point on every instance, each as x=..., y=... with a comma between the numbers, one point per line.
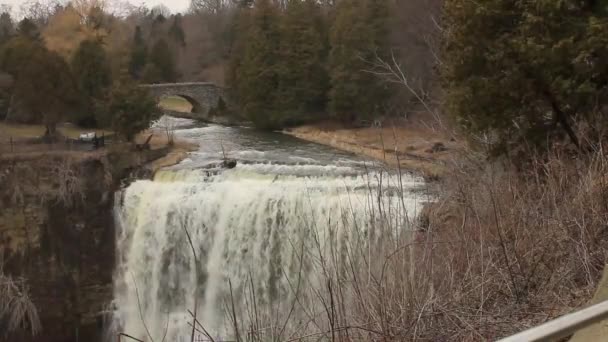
x=175, y=103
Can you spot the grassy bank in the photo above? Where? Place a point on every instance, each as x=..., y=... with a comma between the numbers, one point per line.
x=506, y=246
x=499, y=252
x=179, y=148
x=512, y=248
x=20, y=131
x=410, y=146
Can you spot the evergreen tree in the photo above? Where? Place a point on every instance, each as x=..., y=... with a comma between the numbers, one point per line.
x=376, y=14
x=139, y=54
x=158, y=28
x=257, y=77
x=93, y=77
x=46, y=88
x=6, y=27
x=357, y=37
x=132, y=108
x=244, y=3
x=522, y=71
x=29, y=29
x=91, y=68
x=238, y=34
x=152, y=74
x=6, y=33
x=162, y=57
x=176, y=32
x=15, y=53
x=302, y=74
x=14, y=57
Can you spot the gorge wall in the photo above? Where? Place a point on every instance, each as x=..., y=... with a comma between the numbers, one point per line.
x=57, y=234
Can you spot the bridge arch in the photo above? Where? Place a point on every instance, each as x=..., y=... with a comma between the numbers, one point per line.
x=179, y=103
x=203, y=96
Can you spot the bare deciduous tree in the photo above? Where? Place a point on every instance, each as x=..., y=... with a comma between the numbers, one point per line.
x=209, y=6
x=88, y=8
x=416, y=32
x=39, y=11
x=160, y=10
x=167, y=124
x=392, y=71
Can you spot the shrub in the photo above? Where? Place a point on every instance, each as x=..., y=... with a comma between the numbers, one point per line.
x=132, y=109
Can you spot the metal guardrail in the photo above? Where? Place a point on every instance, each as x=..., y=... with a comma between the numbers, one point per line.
x=564, y=326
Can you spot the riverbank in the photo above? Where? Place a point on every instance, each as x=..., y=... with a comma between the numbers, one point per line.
x=408, y=146
x=178, y=150
x=504, y=236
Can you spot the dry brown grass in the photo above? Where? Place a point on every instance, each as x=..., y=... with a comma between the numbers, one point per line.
x=15, y=138
x=406, y=145
x=500, y=251
x=179, y=148
x=513, y=249
x=160, y=140
x=19, y=131
x=505, y=247
x=27, y=151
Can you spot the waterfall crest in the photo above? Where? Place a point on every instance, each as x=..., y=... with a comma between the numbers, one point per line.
x=260, y=232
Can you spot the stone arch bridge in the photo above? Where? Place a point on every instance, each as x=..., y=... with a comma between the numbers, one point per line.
x=203, y=96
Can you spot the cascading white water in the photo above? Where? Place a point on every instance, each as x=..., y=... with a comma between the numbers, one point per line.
x=250, y=228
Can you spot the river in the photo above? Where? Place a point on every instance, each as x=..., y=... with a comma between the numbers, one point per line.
x=251, y=242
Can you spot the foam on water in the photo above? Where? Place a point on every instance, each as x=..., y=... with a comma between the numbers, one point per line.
x=244, y=224
x=248, y=226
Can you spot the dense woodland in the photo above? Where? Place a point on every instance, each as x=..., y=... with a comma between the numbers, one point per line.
x=527, y=73
x=292, y=62
x=284, y=62
x=517, y=235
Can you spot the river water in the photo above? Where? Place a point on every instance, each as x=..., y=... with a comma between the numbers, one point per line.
x=252, y=241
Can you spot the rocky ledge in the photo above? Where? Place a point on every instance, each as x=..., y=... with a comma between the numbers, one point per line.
x=57, y=234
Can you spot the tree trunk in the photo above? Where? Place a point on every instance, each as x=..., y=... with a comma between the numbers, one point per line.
x=562, y=118
x=51, y=131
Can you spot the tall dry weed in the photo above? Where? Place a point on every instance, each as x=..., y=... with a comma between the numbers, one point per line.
x=517, y=247
x=502, y=248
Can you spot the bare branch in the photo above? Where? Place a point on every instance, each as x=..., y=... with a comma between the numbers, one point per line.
x=141, y=314
x=392, y=72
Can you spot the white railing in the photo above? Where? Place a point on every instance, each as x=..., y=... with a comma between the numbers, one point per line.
x=564, y=326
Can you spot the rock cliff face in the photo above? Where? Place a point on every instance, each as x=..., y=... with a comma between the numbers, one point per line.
x=57, y=232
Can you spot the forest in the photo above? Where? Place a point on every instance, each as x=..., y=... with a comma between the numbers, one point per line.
x=515, y=232
x=283, y=62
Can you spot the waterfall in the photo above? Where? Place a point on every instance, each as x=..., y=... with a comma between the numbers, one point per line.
x=260, y=232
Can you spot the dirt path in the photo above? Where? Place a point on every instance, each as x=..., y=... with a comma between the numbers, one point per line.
x=414, y=148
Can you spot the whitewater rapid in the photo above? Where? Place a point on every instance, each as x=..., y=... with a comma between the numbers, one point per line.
x=257, y=229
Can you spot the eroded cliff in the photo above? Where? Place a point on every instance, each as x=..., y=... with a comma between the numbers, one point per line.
x=57, y=233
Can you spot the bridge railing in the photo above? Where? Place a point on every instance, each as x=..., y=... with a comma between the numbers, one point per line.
x=564, y=326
